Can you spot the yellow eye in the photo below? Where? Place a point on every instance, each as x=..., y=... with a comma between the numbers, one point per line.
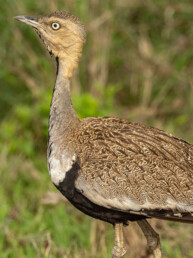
x=55, y=26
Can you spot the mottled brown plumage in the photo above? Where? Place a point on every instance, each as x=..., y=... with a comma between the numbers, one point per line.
x=126, y=162
x=109, y=168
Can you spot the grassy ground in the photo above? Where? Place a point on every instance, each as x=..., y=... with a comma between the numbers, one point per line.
x=137, y=64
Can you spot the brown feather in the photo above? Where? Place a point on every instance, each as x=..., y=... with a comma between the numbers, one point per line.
x=126, y=160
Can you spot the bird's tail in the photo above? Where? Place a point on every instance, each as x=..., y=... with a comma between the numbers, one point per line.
x=185, y=217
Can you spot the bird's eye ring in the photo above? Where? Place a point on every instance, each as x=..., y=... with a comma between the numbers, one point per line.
x=55, y=26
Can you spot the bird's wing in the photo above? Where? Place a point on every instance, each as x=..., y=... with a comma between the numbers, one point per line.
x=130, y=167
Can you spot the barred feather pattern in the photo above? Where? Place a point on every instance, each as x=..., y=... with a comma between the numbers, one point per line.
x=131, y=167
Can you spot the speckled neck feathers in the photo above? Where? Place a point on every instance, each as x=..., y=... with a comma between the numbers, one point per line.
x=62, y=121
x=62, y=114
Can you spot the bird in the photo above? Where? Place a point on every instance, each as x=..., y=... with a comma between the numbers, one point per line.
x=109, y=168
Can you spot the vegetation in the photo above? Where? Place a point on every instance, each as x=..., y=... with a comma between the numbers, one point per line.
x=137, y=64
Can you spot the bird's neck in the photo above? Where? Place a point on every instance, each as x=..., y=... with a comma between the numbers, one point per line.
x=70, y=55
x=62, y=114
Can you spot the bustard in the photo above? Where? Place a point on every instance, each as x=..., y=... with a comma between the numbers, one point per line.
x=109, y=168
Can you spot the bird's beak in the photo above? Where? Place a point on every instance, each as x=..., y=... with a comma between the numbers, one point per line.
x=28, y=20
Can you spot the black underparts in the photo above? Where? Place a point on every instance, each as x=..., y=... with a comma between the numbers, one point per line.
x=67, y=188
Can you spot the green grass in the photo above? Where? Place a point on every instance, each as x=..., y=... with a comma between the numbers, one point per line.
x=31, y=226
x=142, y=58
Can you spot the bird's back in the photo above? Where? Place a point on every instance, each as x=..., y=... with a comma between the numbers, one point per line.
x=130, y=167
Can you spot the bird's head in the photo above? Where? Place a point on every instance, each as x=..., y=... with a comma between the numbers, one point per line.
x=62, y=33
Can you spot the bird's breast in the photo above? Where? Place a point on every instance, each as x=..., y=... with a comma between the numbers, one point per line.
x=59, y=163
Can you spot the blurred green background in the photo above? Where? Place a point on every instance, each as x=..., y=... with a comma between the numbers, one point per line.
x=137, y=64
